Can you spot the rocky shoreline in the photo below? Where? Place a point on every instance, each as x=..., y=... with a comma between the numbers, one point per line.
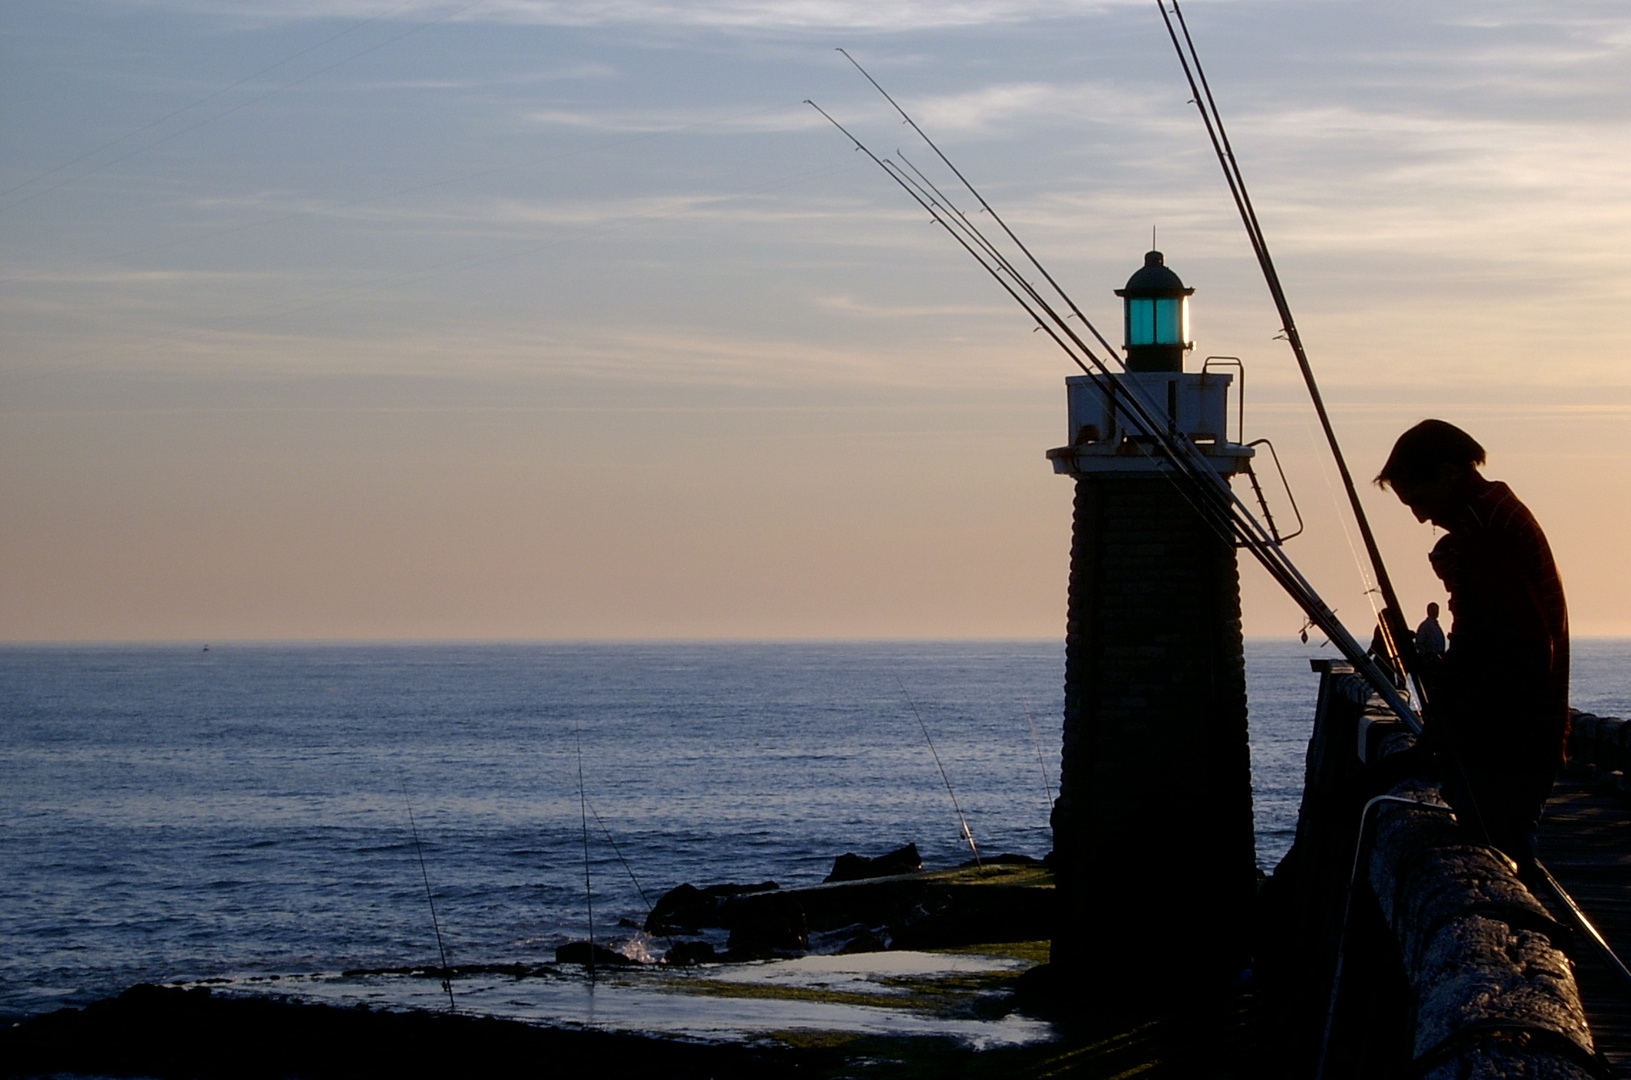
x=267, y=1031
x=153, y=1031
x=865, y=905
x=267, y=1028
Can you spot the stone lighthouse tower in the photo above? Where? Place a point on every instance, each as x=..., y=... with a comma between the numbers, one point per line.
x=1153, y=842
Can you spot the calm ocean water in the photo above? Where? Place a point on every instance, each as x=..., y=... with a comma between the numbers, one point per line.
x=168, y=813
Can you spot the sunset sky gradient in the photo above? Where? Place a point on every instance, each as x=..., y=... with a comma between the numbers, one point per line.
x=535, y=319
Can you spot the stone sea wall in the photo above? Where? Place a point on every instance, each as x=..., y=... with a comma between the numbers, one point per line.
x=1493, y=996
x=1411, y=948
x=1601, y=747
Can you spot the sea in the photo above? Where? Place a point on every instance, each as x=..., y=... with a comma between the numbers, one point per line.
x=175, y=813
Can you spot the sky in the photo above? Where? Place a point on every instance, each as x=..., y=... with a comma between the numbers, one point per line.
x=414, y=319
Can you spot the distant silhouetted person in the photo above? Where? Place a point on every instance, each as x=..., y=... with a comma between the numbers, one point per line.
x=1498, y=710
x=1430, y=635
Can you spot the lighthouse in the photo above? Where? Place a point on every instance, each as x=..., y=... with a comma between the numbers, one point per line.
x=1153, y=841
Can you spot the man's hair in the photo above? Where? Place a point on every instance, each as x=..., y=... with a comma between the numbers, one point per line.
x=1420, y=451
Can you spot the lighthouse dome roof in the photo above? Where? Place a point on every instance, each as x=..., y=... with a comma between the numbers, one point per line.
x=1154, y=278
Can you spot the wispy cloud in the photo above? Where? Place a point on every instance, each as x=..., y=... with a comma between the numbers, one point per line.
x=585, y=70
x=146, y=277
x=1004, y=107
x=856, y=15
x=781, y=116
x=850, y=305
x=994, y=110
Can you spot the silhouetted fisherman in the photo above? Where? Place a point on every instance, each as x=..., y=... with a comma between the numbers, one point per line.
x=1498, y=709
x=1430, y=635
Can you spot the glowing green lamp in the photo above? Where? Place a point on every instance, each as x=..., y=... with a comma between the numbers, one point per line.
x=1157, y=310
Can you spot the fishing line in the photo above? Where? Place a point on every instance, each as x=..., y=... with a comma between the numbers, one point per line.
x=1047, y=784
x=1366, y=585
x=441, y=951
x=1394, y=631
x=608, y=833
x=968, y=227
x=588, y=891
x=963, y=821
x=241, y=105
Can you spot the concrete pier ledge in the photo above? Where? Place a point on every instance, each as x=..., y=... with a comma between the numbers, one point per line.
x=1423, y=955
x=1493, y=996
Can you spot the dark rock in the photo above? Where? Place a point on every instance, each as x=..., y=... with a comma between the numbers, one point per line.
x=775, y=926
x=996, y=903
x=577, y=952
x=686, y=908
x=686, y=953
x=682, y=907
x=852, y=867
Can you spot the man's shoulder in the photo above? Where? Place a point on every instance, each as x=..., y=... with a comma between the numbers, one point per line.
x=1496, y=507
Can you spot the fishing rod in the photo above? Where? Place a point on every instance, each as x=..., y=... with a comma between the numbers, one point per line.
x=1207, y=492
x=963, y=821
x=435, y=924
x=1209, y=489
x=1287, y=575
x=1395, y=633
x=985, y=206
x=588, y=891
x=1186, y=458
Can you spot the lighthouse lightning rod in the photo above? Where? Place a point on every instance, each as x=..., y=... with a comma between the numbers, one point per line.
x=1394, y=631
x=1208, y=492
